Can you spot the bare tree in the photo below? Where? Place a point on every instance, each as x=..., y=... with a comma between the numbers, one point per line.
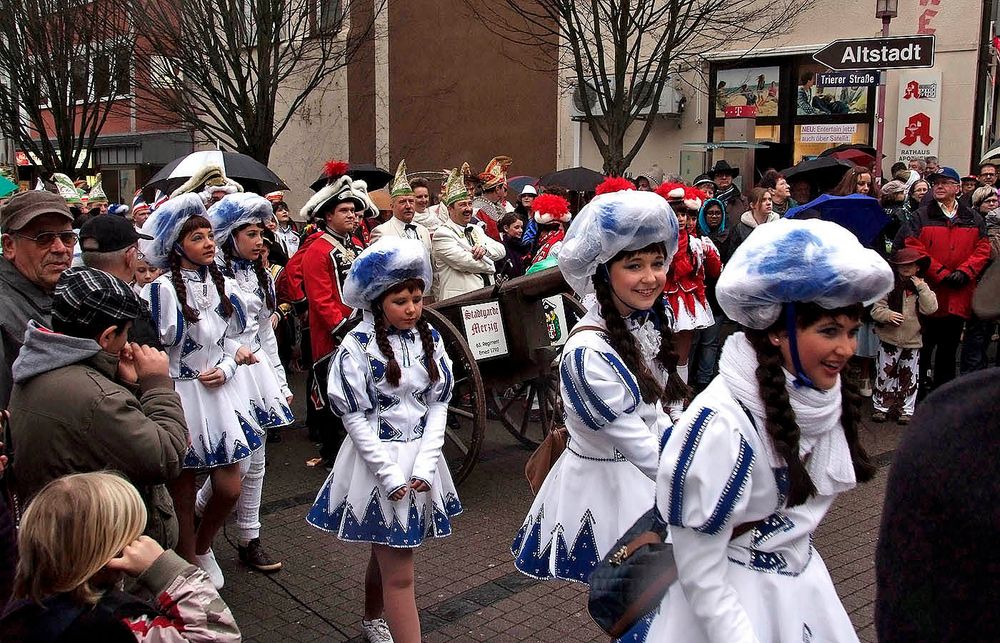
x=623, y=52
x=62, y=64
x=236, y=71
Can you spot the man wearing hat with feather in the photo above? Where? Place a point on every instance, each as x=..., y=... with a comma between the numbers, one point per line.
x=491, y=206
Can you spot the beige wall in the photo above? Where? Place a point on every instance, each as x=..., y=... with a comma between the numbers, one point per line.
x=957, y=26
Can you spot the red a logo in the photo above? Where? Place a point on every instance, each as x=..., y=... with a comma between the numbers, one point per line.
x=912, y=90
x=919, y=128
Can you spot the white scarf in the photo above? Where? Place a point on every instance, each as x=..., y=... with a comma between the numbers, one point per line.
x=817, y=413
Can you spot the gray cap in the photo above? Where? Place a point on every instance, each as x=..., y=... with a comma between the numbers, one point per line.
x=24, y=207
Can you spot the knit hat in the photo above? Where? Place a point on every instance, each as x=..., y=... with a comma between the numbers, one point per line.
x=164, y=226
x=609, y=224
x=381, y=266
x=495, y=173
x=550, y=208
x=793, y=260
x=400, y=183
x=139, y=204
x=893, y=187
x=236, y=210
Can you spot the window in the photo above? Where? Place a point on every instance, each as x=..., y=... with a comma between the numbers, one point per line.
x=164, y=72
x=111, y=73
x=330, y=17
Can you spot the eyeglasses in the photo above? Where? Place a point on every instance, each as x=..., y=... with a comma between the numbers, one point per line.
x=991, y=199
x=988, y=174
x=46, y=239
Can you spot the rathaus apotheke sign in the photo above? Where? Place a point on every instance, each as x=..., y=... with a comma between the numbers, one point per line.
x=898, y=52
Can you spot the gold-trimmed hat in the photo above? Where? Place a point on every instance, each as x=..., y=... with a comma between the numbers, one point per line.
x=66, y=189
x=401, y=184
x=454, y=188
x=210, y=178
x=496, y=172
x=97, y=195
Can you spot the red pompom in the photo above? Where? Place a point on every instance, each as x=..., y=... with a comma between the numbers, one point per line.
x=695, y=193
x=614, y=184
x=671, y=191
x=550, y=204
x=335, y=169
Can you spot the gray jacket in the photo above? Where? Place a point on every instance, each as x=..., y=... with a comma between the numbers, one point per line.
x=21, y=300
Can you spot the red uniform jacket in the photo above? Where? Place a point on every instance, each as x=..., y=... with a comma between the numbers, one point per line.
x=694, y=259
x=325, y=261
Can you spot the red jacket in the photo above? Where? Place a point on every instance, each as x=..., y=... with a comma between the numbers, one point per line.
x=695, y=258
x=952, y=244
x=323, y=269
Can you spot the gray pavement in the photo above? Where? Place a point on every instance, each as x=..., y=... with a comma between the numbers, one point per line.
x=467, y=587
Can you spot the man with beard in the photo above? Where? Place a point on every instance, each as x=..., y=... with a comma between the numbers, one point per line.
x=464, y=257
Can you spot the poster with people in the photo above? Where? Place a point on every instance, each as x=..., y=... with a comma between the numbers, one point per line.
x=813, y=99
x=754, y=86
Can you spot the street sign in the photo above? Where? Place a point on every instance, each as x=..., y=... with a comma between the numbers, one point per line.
x=853, y=78
x=893, y=52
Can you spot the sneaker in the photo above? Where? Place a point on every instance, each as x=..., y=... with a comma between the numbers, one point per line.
x=904, y=419
x=878, y=416
x=211, y=567
x=376, y=631
x=253, y=555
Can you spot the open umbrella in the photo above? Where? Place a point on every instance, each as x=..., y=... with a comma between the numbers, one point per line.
x=822, y=172
x=858, y=157
x=516, y=184
x=859, y=213
x=991, y=154
x=375, y=177
x=252, y=174
x=574, y=179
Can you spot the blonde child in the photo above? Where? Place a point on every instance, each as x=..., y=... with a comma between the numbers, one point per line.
x=898, y=329
x=78, y=539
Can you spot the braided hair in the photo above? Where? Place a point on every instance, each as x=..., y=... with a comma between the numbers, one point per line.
x=229, y=251
x=780, y=418
x=624, y=343
x=393, y=373
x=196, y=222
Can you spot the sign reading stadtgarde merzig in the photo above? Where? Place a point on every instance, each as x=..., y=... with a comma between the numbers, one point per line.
x=894, y=52
x=484, y=330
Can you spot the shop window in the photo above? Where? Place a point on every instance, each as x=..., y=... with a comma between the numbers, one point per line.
x=811, y=139
x=755, y=86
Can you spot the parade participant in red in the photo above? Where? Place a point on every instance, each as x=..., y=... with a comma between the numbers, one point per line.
x=325, y=257
x=696, y=258
x=491, y=206
x=551, y=213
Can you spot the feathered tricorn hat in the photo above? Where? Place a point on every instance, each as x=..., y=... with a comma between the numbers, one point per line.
x=330, y=196
x=549, y=208
x=496, y=172
x=332, y=170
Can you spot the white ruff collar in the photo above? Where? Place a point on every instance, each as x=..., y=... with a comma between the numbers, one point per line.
x=817, y=413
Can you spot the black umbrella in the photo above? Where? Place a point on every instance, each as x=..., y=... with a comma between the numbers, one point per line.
x=375, y=177
x=252, y=174
x=822, y=172
x=574, y=179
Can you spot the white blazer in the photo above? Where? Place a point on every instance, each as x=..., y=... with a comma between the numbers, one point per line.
x=396, y=228
x=455, y=270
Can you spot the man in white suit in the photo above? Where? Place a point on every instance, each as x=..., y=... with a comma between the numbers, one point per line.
x=464, y=257
x=403, y=208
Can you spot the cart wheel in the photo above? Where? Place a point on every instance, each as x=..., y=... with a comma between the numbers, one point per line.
x=530, y=409
x=467, y=409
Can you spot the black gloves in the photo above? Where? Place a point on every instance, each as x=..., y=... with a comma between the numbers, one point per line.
x=956, y=279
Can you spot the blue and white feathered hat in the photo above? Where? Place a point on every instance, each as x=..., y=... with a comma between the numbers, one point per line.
x=609, y=224
x=381, y=266
x=164, y=225
x=798, y=261
x=235, y=210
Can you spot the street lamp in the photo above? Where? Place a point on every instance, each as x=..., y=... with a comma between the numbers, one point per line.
x=885, y=10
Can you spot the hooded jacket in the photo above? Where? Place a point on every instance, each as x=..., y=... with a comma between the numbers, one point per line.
x=21, y=301
x=70, y=414
x=744, y=227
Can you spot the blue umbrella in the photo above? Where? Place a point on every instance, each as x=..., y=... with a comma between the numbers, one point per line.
x=859, y=213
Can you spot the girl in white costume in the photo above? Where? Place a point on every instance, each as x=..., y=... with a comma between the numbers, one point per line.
x=390, y=382
x=196, y=318
x=614, y=384
x=238, y=220
x=758, y=458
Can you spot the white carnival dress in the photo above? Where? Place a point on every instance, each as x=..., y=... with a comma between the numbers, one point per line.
x=603, y=482
x=394, y=434
x=718, y=471
x=221, y=422
x=265, y=380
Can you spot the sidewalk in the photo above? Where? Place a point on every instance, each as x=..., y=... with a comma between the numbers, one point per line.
x=467, y=587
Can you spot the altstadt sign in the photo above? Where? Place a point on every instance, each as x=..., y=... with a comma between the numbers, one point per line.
x=894, y=52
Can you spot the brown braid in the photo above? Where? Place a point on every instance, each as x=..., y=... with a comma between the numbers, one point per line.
x=850, y=412
x=220, y=287
x=190, y=314
x=624, y=343
x=427, y=341
x=779, y=416
x=392, y=371
x=676, y=388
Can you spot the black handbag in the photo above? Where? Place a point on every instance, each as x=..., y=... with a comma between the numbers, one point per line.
x=635, y=575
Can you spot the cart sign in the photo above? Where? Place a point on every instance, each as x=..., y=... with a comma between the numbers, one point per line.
x=484, y=330
x=899, y=52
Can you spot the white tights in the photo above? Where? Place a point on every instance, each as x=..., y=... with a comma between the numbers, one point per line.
x=248, y=506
